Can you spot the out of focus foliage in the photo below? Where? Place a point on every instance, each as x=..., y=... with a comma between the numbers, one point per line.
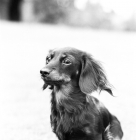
x=63, y=12
x=49, y=11
x=92, y=16
x=3, y=8
x=53, y=11
x=130, y=24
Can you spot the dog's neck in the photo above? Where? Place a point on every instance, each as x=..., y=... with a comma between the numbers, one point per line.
x=68, y=97
x=62, y=93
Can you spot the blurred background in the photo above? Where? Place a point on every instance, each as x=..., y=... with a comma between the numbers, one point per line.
x=98, y=14
x=29, y=28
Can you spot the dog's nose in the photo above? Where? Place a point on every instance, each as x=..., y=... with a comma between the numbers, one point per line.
x=44, y=72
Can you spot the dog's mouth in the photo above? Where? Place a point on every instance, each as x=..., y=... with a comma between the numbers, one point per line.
x=55, y=81
x=51, y=83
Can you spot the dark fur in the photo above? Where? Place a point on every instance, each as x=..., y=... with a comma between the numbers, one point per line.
x=75, y=115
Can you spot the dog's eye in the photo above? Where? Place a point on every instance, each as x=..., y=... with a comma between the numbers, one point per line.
x=66, y=61
x=48, y=59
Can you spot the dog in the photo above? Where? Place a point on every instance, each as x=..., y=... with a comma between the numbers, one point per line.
x=73, y=75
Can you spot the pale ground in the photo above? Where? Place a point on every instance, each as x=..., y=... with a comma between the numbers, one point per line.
x=25, y=108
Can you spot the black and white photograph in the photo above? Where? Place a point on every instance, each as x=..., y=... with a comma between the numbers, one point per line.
x=67, y=69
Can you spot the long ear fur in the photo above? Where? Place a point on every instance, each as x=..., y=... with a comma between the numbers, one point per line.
x=92, y=76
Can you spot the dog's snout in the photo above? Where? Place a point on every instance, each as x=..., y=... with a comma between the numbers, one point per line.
x=44, y=72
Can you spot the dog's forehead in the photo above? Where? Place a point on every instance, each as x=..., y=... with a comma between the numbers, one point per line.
x=63, y=51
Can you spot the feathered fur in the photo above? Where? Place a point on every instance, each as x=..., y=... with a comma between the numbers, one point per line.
x=75, y=115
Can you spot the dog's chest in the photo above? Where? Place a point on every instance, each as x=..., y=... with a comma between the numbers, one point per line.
x=68, y=122
x=69, y=125
x=68, y=119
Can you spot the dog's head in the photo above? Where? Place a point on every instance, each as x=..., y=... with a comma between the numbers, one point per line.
x=74, y=67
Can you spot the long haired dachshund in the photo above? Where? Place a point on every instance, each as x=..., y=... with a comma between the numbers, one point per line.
x=75, y=115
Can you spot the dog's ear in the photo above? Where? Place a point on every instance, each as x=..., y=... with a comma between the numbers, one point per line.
x=92, y=76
